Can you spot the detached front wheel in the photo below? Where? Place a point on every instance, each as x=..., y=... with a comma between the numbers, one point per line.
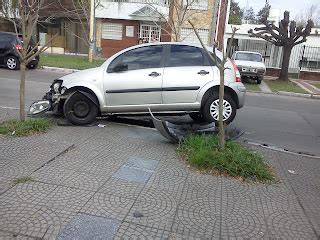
x=79, y=109
x=211, y=109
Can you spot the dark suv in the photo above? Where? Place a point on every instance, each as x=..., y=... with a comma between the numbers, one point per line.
x=10, y=44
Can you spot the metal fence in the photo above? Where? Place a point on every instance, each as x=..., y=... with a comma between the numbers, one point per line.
x=310, y=60
x=303, y=57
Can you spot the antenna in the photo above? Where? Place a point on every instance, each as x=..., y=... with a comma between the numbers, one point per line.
x=246, y=10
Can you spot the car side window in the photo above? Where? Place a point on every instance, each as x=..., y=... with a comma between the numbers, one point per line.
x=5, y=39
x=139, y=58
x=181, y=55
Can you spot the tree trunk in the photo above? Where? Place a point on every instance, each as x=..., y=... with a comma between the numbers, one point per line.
x=221, y=125
x=22, y=90
x=285, y=63
x=90, y=55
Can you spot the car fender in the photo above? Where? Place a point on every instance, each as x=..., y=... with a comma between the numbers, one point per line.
x=95, y=89
x=204, y=89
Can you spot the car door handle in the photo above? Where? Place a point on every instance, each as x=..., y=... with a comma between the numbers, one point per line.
x=154, y=74
x=203, y=72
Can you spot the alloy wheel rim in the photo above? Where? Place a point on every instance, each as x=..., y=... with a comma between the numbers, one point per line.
x=11, y=63
x=214, y=110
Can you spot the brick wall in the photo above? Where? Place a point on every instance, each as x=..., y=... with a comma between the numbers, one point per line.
x=6, y=26
x=308, y=75
x=110, y=47
x=273, y=72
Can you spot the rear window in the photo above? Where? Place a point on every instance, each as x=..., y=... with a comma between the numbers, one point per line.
x=253, y=57
x=5, y=37
x=181, y=55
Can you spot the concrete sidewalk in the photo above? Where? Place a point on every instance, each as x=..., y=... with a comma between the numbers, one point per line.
x=121, y=182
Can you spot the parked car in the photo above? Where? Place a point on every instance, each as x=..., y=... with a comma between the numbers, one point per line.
x=165, y=77
x=10, y=44
x=250, y=65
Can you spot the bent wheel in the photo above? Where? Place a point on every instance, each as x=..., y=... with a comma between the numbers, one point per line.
x=79, y=109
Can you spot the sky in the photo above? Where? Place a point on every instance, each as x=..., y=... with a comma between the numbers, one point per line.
x=293, y=6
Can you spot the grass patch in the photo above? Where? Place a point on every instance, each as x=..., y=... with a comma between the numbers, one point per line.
x=25, y=128
x=68, y=61
x=317, y=85
x=202, y=152
x=22, y=180
x=287, y=86
x=252, y=87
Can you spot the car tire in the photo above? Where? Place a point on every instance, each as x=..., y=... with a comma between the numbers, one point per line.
x=79, y=109
x=12, y=62
x=211, y=109
x=259, y=80
x=32, y=66
x=197, y=117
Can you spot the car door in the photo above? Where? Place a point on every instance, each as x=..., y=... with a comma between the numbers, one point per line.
x=187, y=70
x=139, y=79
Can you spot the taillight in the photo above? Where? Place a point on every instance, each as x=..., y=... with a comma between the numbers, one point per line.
x=18, y=47
x=236, y=70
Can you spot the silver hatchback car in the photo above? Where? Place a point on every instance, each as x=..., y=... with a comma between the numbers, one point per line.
x=165, y=77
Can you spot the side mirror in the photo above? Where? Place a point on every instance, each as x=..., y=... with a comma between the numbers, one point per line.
x=120, y=67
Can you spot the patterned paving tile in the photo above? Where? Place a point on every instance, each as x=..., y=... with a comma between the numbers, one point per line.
x=85, y=226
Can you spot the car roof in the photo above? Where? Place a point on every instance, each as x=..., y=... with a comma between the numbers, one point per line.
x=247, y=52
x=170, y=43
x=8, y=33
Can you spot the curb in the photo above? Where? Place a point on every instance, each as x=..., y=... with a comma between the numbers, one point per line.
x=291, y=94
x=57, y=69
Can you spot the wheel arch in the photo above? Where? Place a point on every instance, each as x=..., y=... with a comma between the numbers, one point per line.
x=215, y=89
x=98, y=98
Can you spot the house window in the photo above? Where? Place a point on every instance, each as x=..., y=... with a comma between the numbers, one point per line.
x=112, y=31
x=150, y=33
x=188, y=35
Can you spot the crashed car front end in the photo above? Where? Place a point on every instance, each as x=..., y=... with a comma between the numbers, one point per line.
x=51, y=101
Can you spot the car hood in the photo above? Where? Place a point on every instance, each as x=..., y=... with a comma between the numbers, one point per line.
x=249, y=64
x=89, y=75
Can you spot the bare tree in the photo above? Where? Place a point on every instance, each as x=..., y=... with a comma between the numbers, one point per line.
x=221, y=66
x=24, y=15
x=312, y=12
x=287, y=35
x=180, y=11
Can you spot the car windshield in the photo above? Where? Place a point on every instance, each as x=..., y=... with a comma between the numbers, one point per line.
x=253, y=57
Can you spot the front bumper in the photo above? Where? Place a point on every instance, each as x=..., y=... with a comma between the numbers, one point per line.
x=50, y=101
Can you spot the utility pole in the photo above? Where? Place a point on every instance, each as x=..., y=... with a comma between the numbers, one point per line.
x=213, y=30
x=91, y=31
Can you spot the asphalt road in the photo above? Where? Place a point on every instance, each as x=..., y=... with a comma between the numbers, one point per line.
x=288, y=122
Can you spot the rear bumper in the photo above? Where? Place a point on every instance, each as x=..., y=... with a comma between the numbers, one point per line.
x=241, y=92
x=253, y=75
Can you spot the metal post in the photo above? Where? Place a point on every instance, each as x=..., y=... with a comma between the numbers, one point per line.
x=213, y=31
x=91, y=31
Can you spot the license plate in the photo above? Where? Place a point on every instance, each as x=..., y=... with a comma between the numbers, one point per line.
x=249, y=70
